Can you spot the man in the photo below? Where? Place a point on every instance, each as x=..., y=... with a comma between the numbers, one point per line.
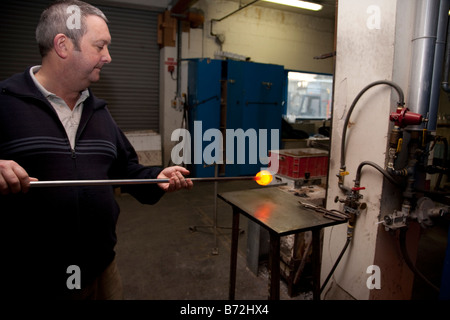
x=53, y=128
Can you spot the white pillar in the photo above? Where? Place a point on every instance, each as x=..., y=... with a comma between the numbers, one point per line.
x=373, y=43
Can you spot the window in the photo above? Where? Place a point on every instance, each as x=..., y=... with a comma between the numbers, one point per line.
x=308, y=96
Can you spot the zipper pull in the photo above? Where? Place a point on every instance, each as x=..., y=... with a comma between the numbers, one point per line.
x=73, y=153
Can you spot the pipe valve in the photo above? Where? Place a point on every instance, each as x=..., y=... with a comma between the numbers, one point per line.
x=403, y=117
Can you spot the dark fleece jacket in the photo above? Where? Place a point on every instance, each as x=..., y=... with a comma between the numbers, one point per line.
x=48, y=229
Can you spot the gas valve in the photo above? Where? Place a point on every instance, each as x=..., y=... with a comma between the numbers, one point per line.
x=403, y=117
x=351, y=202
x=352, y=208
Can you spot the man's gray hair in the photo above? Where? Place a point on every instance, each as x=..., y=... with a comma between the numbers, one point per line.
x=56, y=19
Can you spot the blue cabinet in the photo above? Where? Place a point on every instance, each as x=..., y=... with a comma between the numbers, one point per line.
x=204, y=91
x=247, y=112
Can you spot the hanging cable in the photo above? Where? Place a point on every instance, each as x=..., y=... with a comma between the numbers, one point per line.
x=402, y=240
x=335, y=264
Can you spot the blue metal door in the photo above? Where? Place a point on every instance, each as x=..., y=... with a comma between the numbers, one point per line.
x=204, y=90
x=254, y=109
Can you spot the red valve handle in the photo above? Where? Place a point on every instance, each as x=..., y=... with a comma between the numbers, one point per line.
x=358, y=188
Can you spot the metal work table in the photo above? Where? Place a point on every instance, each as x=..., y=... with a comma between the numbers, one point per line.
x=281, y=214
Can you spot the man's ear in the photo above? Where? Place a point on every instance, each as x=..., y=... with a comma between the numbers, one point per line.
x=61, y=44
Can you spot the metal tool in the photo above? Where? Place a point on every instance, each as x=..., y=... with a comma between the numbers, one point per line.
x=118, y=182
x=330, y=214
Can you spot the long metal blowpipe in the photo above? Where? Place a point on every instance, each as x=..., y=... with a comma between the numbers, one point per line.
x=63, y=183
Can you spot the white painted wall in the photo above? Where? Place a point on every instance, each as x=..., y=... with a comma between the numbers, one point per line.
x=265, y=35
x=268, y=35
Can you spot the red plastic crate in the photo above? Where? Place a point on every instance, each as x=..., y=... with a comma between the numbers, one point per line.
x=296, y=163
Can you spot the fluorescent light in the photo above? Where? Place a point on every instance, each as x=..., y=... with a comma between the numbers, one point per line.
x=298, y=4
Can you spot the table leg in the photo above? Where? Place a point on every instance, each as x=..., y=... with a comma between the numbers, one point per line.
x=234, y=251
x=274, y=267
x=316, y=253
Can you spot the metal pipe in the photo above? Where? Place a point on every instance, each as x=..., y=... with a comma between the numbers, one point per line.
x=445, y=85
x=65, y=183
x=423, y=48
x=438, y=62
x=179, y=58
x=216, y=184
x=228, y=15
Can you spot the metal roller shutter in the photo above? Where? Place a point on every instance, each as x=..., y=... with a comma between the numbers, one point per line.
x=130, y=84
x=18, y=48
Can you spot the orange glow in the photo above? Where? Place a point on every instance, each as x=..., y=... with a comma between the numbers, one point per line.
x=263, y=178
x=264, y=211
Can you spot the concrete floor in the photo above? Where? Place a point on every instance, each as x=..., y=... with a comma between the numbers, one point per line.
x=161, y=258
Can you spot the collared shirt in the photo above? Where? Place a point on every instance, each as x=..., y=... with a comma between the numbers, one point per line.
x=70, y=119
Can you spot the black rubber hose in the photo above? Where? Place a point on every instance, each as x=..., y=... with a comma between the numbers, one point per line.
x=349, y=113
x=402, y=239
x=335, y=264
x=380, y=169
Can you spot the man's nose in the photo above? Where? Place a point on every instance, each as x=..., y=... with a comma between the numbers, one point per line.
x=107, y=57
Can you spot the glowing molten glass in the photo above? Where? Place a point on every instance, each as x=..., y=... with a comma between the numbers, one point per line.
x=263, y=178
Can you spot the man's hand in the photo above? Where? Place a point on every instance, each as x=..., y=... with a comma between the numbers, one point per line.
x=13, y=178
x=177, y=180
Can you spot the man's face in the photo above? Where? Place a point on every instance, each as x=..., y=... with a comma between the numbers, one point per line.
x=93, y=53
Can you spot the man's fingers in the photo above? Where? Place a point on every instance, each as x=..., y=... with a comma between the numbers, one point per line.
x=178, y=181
x=13, y=178
x=23, y=177
x=176, y=178
x=4, y=187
